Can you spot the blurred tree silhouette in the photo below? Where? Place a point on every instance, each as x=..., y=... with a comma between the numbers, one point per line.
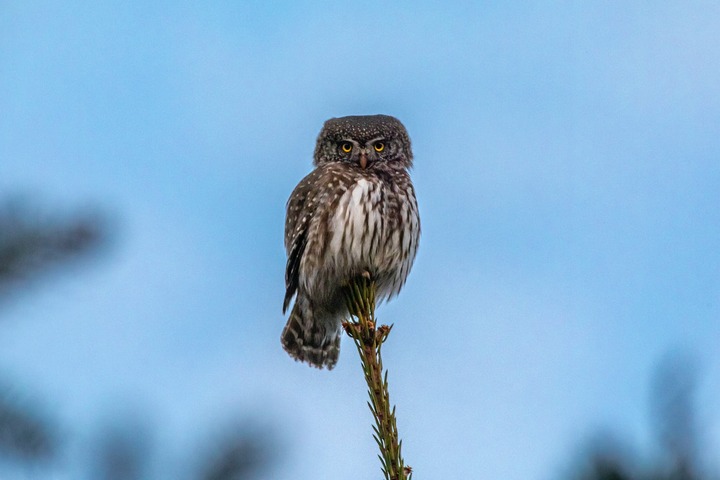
x=122, y=451
x=673, y=409
x=33, y=244
x=26, y=435
x=673, y=395
x=240, y=453
x=607, y=458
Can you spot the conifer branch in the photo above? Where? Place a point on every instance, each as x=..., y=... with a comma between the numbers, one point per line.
x=360, y=300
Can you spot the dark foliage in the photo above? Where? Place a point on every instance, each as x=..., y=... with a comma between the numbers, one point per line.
x=673, y=408
x=241, y=454
x=26, y=435
x=32, y=242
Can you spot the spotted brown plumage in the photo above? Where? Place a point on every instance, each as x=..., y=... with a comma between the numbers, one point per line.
x=355, y=213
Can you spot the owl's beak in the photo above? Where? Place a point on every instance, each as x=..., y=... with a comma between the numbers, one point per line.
x=363, y=160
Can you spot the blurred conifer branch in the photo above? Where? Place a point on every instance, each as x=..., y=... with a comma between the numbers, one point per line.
x=678, y=431
x=360, y=299
x=33, y=242
x=26, y=435
x=30, y=242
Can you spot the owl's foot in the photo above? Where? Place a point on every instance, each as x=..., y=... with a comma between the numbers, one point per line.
x=365, y=274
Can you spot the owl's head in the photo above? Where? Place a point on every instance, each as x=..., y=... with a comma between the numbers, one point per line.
x=368, y=142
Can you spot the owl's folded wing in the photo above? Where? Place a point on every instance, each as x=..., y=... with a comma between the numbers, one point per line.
x=299, y=209
x=292, y=269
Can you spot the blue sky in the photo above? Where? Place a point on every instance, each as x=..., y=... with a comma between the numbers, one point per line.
x=567, y=165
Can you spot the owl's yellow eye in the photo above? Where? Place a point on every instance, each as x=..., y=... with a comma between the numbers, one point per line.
x=346, y=147
x=379, y=147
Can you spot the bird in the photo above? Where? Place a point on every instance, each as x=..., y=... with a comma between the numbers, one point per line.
x=355, y=214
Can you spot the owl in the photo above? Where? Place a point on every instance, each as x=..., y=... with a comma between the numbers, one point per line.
x=354, y=214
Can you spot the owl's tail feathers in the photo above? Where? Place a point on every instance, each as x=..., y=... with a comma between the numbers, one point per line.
x=311, y=341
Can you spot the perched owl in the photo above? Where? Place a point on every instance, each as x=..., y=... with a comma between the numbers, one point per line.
x=354, y=214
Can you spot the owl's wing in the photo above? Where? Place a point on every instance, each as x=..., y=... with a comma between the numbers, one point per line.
x=300, y=209
x=292, y=269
